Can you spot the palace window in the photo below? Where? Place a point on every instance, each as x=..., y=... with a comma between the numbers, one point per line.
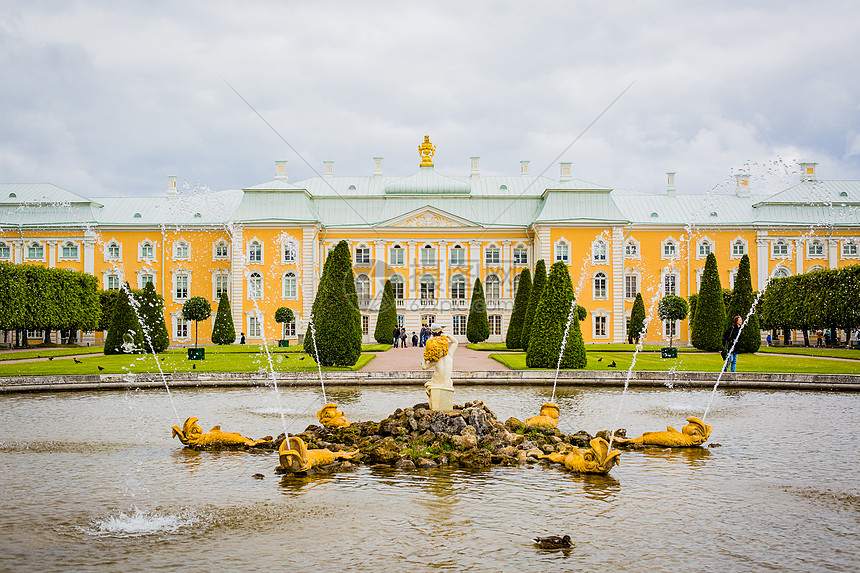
x=521, y=256
x=35, y=251
x=705, y=248
x=670, y=284
x=458, y=287
x=669, y=250
x=816, y=248
x=290, y=328
x=849, y=248
x=181, y=328
x=516, y=285
x=459, y=325
x=739, y=248
x=362, y=287
x=670, y=329
x=397, y=286
x=113, y=251
x=5, y=251
x=112, y=282
x=180, y=250
x=600, y=325
x=598, y=252
x=290, y=252
x=458, y=256
x=492, y=256
x=631, y=248
x=222, y=250
x=781, y=273
x=291, y=286
x=396, y=256
x=255, y=286
x=365, y=324
x=362, y=255
x=147, y=250
x=780, y=248
x=181, y=287
x=255, y=327
x=600, y=286
x=631, y=286
x=221, y=282
x=428, y=287
x=562, y=251
x=255, y=252
x=493, y=289
x=428, y=256
x=495, y=324
x=69, y=250
x=146, y=279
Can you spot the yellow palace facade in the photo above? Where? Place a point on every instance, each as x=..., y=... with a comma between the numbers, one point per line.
x=432, y=235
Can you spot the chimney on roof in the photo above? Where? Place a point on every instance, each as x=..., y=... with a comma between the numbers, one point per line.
x=281, y=170
x=377, y=167
x=171, y=186
x=807, y=172
x=670, y=184
x=743, y=184
x=565, y=172
x=473, y=161
x=328, y=169
x=524, y=167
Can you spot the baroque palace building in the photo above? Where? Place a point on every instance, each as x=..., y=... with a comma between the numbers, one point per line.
x=432, y=235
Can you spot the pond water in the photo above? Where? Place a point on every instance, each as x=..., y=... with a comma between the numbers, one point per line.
x=93, y=481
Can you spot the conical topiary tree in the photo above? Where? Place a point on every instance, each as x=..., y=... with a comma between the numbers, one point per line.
x=534, y=298
x=637, y=320
x=710, y=319
x=514, y=335
x=223, y=331
x=742, y=301
x=386, y=320
x=335, y=316
x=551, y=319
x=123, y=322
x=151, y=310
x=477, y=325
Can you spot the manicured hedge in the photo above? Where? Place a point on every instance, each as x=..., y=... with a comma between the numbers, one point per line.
x=478, y=324
x=710, y=319
x=550, y=321
x=534, y=298
x=386, y=320
x=224, y=331
x=514, y=334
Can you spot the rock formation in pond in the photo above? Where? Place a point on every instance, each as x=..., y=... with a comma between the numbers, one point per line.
x=192, y=436
x=331, y=417
x=296, y=457
x=548, y=417
x=597, y=459
x=695, y=433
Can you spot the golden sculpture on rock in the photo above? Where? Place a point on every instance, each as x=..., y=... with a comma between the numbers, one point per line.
x=439, y=355
x=330, y=417
x=296, y=457
x=595, y=460
x=695, y=433
x=191, y=434
x=548, y=417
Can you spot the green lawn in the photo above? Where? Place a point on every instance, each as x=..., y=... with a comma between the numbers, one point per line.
x=42, y=352
x=500, y=347
x=699, y=362
x=851, y=354
x=275, y=349
x=173, y=361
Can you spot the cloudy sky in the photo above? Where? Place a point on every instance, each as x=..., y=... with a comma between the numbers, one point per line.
x=108, y=98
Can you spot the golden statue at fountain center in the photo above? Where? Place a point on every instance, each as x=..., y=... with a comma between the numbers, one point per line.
x=439, y=355
x=548, y=417
x=192, y=436
x=695, y=433
x=595, y=460
x=296, y=457
x=330, y=417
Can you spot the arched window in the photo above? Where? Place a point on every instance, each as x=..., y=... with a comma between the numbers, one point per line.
x=739, y=248
x=458, y=256
x=255, y=286
x=146, y=250
x=397, y=285
x=255, y=252
x=492, y=256
x=815, y=268
x=562, y=251
x=781, y=272
x=362, y=287
x=780, y=248
x=222, y=249
x=180, y=250
x=669, y=249
x=395, y=256
x=69, y=250
x=458, y=287
x=816, y=248
x=600, y=286
x=113, y=251
x=493, y=287
x=291, y=286
x=598, y=251
x=631, y=248
x=427, y=288
x=428, y=256
x=670, y=284
x=516, y=284
x=705, y=248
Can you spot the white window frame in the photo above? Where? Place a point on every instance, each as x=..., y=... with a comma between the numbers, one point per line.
x=141, y=256
x=849, y=245
x=215, y=255
x=253, y=255
x=814, y=268
x=289, y=252
x=781, y=271
x=561, y=251
x=111, y=278
x=363, y=282
x=365, y=324
x=290, y=286
x=361, y=255
x=428, y=256
x=459, y=324
x=458, y=279
x=676, y=281
x=675, y=326
x=699, y=272
x=461, y=251
x=494, y=292
x=396, y=255
x=495, y=322
x=175, y=281
x=733, y=274
x=598, y=316
x=599, y=252
x=181, y=250
x=820, y=243
x=664, y=244
x=69, y=244
x=216, y=275
x=255, y=293
x=35, y=245
x=254, y=322
x=783, y=243
x=107, y=250
x=515, y=285
x=180, y=325
x=424, y=280
x=7, y=256
x=596, y=289
x=744, y=248
x=397, y=279
x=289, y=328
x=492, y=255
x=521, y=255
x=635, y=277
x=704, y=243
x=144, y=272
x=632, y=249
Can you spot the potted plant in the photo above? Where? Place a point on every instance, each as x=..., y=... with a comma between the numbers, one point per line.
x=672, y=308
x=196, y=308
x=282, y=315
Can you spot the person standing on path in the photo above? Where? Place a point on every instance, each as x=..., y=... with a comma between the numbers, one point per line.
x=396, y=334
x=403, y=337
x=730, y=337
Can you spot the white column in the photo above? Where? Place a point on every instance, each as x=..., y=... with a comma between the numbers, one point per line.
x=379, y=268
x=308, y=274
x=799, y=252
x=443, y=270
x=832, y=252
x=617, y=295
x=474, y=262
x=237, y=265
x=52, y=253
x=762, y=257
x=507, y=287
x=19, y=252
x=412, y=269
x=89, y=253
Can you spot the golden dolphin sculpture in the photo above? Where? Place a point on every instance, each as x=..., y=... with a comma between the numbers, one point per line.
x=331, y=417
x=192, y=435
x=296, y=457
x=695, y=433
x=548, y=417
x=595, y=460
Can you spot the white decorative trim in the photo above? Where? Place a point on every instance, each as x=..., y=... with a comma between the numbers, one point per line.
x=174, y=274
x=746, y=248
x=215, y=256
x=636, y=245
x=781, y=270
x=262, y=260
x=605, y=286
x=250, y=290
x=144, y=270
x=816, y=241
x=220, y=273
x=66, y=243
x=140, y=256
x=594, y=248
x=780, y=241
x=178, y=243
x=701, y=243
x=845, y=243
x=106, y=250
x=603, y=313
x=555, y=246
x=675, y=243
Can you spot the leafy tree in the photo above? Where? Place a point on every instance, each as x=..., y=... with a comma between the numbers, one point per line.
x=672, y=308
x=710, y=310
x=550, y=321
x=335, y=316
x=534, y=298
x=223, y=331
x=386, y=320
x=741, y=303
x=284, y=314
x=513, y=336
x=150, y=308
x=693, y=298
x=124, y=333
x=107, y=302
x=13, y=295
x=477, y=325
x=196, y=308
x=89, y=304
x=581, y=312
x=637, y=320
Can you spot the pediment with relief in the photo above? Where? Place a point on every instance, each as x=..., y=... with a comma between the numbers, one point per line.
x=428, y=217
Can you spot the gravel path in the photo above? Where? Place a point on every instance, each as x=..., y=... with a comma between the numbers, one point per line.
x=409, y=358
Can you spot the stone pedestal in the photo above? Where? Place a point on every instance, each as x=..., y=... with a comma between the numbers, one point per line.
x=441, y=398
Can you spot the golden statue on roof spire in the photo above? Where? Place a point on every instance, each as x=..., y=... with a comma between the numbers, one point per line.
x=426, y=151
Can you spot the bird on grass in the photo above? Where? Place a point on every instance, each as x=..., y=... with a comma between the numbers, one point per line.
x=303, y=357
x=50, y=357
x=77, y=361
x=553, y=542
x=194, y=367
x=100, y=368
x=612, y=364
x=162, y=358
x=600, y=359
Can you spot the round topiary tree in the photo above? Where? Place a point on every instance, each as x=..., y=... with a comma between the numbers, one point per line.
x=513, y=336
x=710, y=319
x=534, y=298
x=477, y=325
x=672, y=308
x=150, y=307
x=196, y=308
x=284, y=314
x=551, y=319
x=335, y=316
x=124, y=326
x=742, y=301
x=386, y=320
x=224, y=331
x=637, y=320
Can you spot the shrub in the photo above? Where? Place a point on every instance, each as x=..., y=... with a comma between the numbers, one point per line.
x=742, y=301
x=534, y=298
x=386, y=320
x=477, y=325
x=150, y=308
x=637, y=320
x=710, y=320
x=551, y=318
x=224, y=331
x=123, y=321
x=514, y=334
x=196, y=308
x=672, y=308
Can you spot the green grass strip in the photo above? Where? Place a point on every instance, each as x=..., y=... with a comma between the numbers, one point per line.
x=43, y=352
